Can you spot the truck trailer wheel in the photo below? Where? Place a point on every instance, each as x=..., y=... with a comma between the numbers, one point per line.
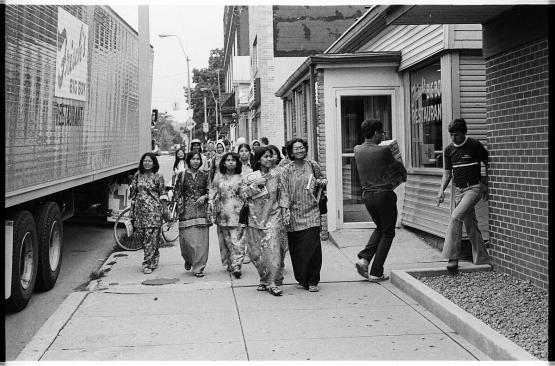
x=51, y=239
x=24, y=260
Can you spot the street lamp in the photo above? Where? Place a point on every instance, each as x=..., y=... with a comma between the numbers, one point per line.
x=216, y=103
x=188, y=74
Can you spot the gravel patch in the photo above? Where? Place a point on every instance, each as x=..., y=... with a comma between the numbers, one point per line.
x=516, y=309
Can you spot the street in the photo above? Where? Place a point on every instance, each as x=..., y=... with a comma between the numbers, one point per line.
x=86, y=246
x=87, y=243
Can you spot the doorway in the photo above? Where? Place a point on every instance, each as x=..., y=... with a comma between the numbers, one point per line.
x=354, y=110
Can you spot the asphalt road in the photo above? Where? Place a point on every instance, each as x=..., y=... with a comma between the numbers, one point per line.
x=87, y=244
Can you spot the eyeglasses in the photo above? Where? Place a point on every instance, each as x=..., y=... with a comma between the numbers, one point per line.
x=299, y=148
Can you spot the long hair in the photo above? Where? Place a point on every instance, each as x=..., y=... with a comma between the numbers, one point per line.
x=276, y=150
x=248, y=147
x=238, y=163
x=176, y=163
x=155, y=165
x=191, y=155
x=258, y=153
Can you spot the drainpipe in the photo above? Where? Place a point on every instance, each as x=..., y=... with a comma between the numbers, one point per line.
x=313, y=109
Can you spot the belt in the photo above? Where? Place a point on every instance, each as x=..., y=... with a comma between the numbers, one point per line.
x=467, y=184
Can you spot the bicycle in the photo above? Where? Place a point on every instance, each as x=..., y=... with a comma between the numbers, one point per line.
x=126, y=237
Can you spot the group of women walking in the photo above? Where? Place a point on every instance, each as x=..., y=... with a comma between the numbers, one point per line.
x=262, y=205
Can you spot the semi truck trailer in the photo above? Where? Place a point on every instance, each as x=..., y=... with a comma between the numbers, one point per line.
x=78, y=82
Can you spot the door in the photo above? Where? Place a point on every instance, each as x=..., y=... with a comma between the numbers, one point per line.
x=354, y=110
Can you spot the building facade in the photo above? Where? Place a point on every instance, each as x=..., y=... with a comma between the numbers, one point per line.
x=279, y=39
x=470, y=62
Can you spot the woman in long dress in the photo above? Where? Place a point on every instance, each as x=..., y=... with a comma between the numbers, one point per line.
x=215, y=163
x=149, y=204
x=302, y=216
x=226, y=202
x=191, y=195
x=245, y=155
x=263, y=192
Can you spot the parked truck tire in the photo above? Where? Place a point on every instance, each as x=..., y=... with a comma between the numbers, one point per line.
x=48, y=218
x=24, y=260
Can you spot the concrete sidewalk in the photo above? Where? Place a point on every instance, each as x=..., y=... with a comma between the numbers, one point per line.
x=221, y=318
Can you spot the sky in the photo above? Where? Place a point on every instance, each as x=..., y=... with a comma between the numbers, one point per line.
x=200, y=28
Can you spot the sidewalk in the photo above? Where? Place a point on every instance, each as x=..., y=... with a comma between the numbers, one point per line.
x=221, y=318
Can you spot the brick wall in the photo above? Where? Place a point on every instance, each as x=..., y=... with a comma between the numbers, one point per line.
x=517, y=117
x=321, y=133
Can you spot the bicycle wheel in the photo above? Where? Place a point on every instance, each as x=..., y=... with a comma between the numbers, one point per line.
x=170, y=229
x=126, y=237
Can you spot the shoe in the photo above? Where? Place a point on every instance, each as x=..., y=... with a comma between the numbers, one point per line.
x=237, y=274
x=300, y=286
x=188, y=266
x=262, y=287
x=362, y=267
x=453, y=264
x=274, y=290
x=313, y=288
x=147, y=270
x=381, y=278
x=199, y=274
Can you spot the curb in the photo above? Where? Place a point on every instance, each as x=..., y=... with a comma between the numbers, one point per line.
x=479, y=334
x=41, y=341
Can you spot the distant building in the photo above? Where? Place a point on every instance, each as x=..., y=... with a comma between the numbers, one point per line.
x=262, y=46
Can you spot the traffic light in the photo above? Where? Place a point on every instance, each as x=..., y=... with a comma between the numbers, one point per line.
x=154, y=117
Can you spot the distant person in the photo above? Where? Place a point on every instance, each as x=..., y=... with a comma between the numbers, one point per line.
x=302, y=216
x=227, y=145
x=240, y=141
x=191, y=195
x=286, y=158
x=246, y=157
x=262, y=233
x=215, y=163
x=179, y=164
x=196, y=145
x=255, y=145
x=210, y=152
x=374, y=164
x=462, y=162
x=225, y=205
x=264, y=141
x=148, y=193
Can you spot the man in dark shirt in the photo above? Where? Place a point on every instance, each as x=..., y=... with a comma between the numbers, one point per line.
x=377, y=168
x=462, y=163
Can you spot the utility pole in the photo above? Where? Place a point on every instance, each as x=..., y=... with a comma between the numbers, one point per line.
x=205, y=117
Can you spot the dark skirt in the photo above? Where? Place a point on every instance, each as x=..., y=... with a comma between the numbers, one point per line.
x=305, y=250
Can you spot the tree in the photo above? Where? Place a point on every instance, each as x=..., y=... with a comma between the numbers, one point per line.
x=164, y=132
x=207, y=78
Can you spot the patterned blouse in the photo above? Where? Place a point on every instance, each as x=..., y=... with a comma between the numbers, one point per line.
x=148, y=191
x=302, y=204
x=188, y=189
x=226, y=199
x=265, y=211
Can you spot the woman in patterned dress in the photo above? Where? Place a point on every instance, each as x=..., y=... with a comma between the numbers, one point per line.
x=226, y=203
x=191, y=194
x=302, y=218
x=262, y=233
x=215, y=163
x=149, y=204
x=179, y=164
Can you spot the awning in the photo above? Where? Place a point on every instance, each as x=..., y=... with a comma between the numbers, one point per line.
x=443, y=14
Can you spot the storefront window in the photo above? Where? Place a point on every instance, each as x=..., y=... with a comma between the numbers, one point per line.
x=426, y=117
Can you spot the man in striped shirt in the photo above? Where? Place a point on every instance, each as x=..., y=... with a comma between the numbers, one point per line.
x=462, y=163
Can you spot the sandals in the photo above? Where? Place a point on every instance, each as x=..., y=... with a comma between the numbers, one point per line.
x=147, y=270
x=262, y=287
x=274, y=290
x=199, y=274
x=188, y=266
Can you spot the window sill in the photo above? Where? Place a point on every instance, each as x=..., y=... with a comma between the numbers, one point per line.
x=426, y=171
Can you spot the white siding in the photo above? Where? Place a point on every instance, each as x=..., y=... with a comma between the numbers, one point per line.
x=467, y=36
x=416, y=42
x=472, y=81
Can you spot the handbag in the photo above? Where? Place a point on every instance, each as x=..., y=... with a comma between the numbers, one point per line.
x=244, y=214
x=323, y=201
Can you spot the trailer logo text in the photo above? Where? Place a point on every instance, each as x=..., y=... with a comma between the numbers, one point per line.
x=71, y=57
